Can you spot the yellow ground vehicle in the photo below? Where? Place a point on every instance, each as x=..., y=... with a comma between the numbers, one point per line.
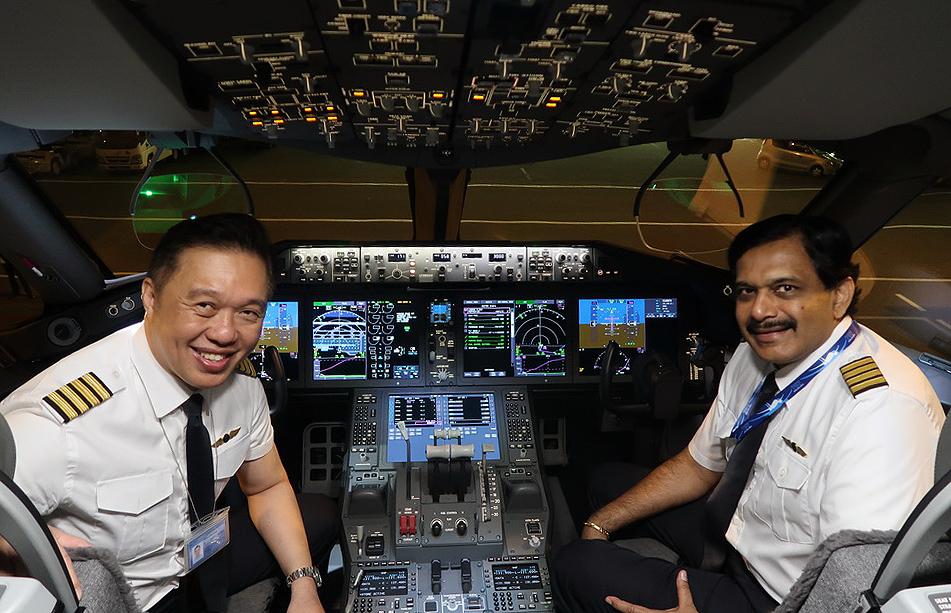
x=126, y=150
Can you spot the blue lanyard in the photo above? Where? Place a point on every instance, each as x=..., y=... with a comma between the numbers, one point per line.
x=749, y=418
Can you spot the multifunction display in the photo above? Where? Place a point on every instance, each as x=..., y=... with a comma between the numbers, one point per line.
x=635, y=324
x=384, y=582
x=472, y=415
x=514, y=338
x=516, y=577
x=365, y=339
x=281, y=329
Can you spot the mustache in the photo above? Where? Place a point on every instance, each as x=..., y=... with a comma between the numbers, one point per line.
x=757, y=327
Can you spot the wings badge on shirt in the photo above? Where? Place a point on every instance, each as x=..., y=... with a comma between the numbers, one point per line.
x=226, y=437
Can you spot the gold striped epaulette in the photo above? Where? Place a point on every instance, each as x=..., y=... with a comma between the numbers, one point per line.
x=863, y=375
x=246, y=368
x=78, y=396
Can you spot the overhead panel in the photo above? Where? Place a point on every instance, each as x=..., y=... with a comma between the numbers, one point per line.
x=464, y=84
x=398, y=63
x=266, y=66
x=665, y=60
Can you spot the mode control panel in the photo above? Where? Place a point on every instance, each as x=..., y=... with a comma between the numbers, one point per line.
x=302, y=265
x=306, y=265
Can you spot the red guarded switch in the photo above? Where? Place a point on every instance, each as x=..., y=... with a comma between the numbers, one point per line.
x=407, y=525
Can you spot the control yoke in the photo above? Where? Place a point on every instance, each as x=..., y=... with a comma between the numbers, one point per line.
x=657, y=383
x=277, y=400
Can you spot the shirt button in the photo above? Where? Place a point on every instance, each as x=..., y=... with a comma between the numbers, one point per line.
x=782, y=472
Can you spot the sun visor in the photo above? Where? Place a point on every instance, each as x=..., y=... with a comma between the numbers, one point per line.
x=809, y=84
x=93, y=67
x=14, y=139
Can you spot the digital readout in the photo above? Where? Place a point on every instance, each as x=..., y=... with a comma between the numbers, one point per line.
x=384, y=582
x=516, y=577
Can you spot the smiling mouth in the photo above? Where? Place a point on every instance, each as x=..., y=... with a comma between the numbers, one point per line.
x=213, y=359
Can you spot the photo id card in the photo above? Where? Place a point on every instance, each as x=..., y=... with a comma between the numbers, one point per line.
x=207, y=538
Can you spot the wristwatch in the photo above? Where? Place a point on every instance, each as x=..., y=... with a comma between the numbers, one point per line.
x=305, y=571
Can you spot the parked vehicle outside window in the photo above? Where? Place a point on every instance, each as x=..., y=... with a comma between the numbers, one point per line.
x=800, y=157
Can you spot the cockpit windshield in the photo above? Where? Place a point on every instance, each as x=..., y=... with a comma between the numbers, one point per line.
x=689, y=210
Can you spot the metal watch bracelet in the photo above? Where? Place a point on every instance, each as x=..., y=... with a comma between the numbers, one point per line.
x=305, y=571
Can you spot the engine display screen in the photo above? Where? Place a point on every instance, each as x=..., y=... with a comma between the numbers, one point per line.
x=635, y=324
x=516, y=577
x=366, y=339
x=472, y=414
x=281, y=328
x=514, y=338
x=384, y=582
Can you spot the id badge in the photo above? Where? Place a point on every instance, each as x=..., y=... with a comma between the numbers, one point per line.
x=207, y=538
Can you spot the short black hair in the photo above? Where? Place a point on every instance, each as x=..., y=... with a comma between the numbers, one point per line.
x=826, y=241
x=226, y=231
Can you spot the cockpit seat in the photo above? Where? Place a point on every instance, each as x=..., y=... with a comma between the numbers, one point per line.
x=105, y=587
x=8, y=454
x=840, y=570
x=847, y=563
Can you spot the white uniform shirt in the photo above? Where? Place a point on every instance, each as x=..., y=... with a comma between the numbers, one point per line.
x=115, y=475
x=869, y=458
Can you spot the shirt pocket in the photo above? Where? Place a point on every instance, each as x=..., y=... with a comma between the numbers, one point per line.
x=137, y=511
x=785, y=506
x=229, y=457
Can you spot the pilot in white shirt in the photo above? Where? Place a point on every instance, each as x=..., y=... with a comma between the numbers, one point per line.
x=101, y=435
x=848, y=442
x=868, y=436
x=121, y=457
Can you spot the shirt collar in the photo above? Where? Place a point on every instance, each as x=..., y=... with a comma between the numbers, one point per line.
x=166, y=393
x=789, y=372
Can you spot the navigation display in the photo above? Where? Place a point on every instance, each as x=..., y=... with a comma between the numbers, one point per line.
x=365, y=339
x=635, y=324
x=472, y=414
x=280, y=328
x=514, y=338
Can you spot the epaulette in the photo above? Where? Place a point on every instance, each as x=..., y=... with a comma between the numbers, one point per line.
x=863, y=375
x=246, y=368
x=78, y=396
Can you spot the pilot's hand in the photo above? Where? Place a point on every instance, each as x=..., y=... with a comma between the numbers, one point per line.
x=9, y=559
x=684, y=599
x=304, y=599
x=64, y=540
x=12, y=565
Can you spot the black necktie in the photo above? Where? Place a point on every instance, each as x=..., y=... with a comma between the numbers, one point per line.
x=211, y=575
x=201, y=470
x=726, y=495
